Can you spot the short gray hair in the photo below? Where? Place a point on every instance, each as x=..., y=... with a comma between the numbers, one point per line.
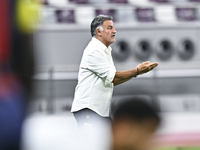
x=98, y=22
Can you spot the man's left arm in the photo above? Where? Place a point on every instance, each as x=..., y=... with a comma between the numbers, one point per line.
x=123, y=76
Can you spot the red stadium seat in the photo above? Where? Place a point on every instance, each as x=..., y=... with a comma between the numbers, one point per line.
x=109, y=12
x=65, y=16
x=186, y=14
x=160, y=1
x=118, y=1
x=145, y=14
x=79, y=1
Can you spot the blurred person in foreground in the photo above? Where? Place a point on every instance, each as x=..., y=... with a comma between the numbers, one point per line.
x=16, y=70
x=134, y=123
x=97, y=74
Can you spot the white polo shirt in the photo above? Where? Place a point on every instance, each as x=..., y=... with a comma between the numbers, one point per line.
x=96, y=73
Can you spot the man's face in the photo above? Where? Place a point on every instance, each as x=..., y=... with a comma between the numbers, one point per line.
x=108, y=33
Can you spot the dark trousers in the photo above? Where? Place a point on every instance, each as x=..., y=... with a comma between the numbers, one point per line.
x=87, y=117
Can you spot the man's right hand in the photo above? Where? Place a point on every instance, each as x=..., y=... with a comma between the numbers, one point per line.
x=146, y=67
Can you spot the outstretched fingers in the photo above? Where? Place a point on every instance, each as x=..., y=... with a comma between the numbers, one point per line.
x=146, y=67
x=146, y=62
x=153, y=65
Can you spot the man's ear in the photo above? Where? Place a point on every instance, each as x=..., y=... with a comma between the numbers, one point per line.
x=98, y=32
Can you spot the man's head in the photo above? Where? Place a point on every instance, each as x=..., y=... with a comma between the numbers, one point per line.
x=134, y=124
x=102, y=27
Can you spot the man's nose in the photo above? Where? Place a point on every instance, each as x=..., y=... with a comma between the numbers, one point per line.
x=114, y=31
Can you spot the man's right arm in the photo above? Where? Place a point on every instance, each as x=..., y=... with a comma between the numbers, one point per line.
x=123, y=76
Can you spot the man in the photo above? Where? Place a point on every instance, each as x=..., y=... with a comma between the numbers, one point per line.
x=134, y=124
x=97, y=74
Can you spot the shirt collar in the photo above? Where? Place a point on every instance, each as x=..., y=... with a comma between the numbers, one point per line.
x=101, y=45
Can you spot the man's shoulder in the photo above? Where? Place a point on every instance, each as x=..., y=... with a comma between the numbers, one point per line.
x=92, y=46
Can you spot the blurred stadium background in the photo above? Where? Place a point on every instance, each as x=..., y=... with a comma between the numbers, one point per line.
x=163, y=31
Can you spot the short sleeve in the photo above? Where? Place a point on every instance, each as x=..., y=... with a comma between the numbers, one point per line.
x=110, y=76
